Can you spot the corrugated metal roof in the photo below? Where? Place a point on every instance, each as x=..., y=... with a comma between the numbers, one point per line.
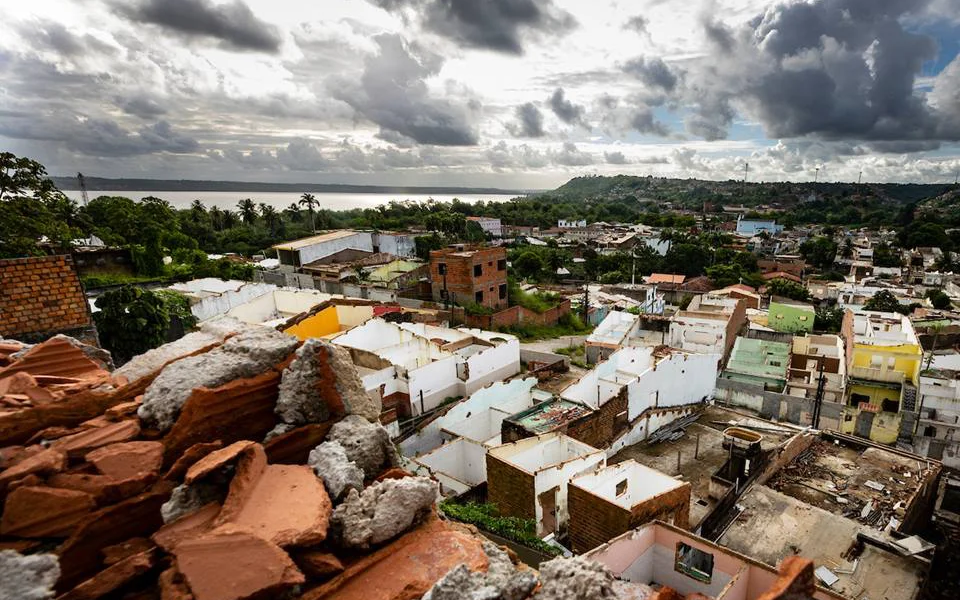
x=316, y=239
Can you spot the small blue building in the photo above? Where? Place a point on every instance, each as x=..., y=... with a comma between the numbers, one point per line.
x=751, y=227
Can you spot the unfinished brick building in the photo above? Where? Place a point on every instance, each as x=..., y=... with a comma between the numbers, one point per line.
x=470, y=275
x=617, y=498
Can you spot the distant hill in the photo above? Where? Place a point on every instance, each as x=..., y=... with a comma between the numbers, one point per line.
x=96, y=184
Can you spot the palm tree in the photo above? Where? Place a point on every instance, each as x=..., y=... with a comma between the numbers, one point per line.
x=216, y=218
x=248, y=210
x=310, y=201
x=293, y=212
x=229, y=219
x=270, y=217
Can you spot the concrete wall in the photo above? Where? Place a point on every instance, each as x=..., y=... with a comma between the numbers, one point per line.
x=781, y=407
x=360, y=240
x=493, y=364
x=219, y=304
x=459, y=465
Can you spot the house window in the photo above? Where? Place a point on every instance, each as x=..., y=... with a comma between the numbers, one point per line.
x=477, y=270
x=502, y=265
x=930, y=431
x=694, y=563
x=622, y=488
x=478, y=297
x=890, y=405
x=503, y=291
x=442, y=268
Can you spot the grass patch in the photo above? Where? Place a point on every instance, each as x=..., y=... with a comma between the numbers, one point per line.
x=108, y=279
x=577, y=354
x=487, y=517
x=569, y=324
x=538, y=302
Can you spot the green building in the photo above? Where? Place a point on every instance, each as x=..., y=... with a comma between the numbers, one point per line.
x=790, y=316
x=759, y=362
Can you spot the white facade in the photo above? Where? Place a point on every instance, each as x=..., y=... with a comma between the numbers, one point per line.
x=553, y=459
x=489, y=225
x=938, y=427
x=459, y=466
x=503, y=398
x=314, y=248
x=698, y=334
x=278, y=305
x=212, y=297
x=569, y=224
x=435, y=362
x=676, y=380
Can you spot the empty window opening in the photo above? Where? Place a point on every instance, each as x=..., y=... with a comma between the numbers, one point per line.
x=477, y=270
x=622, y=488
x=478, y=297
x=694, y=563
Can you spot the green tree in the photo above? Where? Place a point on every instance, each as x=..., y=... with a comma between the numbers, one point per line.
x=293, y=213
x=271, y=217
x=31, y=208
x=248, y=211
x=311, y=202
x=828, y=319
x=939, y=299
x=788, y=289
x=131, y=321
x=884, y=301
x=528, y=264
x=819, y=251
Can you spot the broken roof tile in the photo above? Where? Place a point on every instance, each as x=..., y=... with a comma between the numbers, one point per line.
x=287, y=505
x=318, y=564
x=117, y=552
x=294, y=446
x=407, y=567
x=113, y=577
x=44, y=462
x=56, y=357
x=128, y=460
x=191, y=525
x=173, y=586
x=35, y=511
x=215, y=460
x=232, y=564
x=189, y=458
x=79, y=444
x=105, y=490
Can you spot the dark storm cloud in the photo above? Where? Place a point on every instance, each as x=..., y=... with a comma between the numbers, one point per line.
x=615, y=158
x=566, y=111
x=392, y=94
x=833, y=69
x=51, y=35
x=643, y=121
x=99, y=137
x=529, y=121
x=570, y=156
x=143, y=107
x=498, y=25
x=652, y=72
x=234, y=24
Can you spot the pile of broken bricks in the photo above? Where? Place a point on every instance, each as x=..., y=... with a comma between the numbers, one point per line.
x=236, y=463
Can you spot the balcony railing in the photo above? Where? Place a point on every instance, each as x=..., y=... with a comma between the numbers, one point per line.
x=874, y=374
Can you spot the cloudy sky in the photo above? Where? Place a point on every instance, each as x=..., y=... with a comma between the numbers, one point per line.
x=505, y=93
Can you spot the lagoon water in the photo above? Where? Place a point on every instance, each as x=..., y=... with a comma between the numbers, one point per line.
x=281, y=200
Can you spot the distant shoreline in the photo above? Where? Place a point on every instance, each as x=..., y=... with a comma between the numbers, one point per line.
x=95, y=184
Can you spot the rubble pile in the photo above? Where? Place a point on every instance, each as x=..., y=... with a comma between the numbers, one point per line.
x=232, y=464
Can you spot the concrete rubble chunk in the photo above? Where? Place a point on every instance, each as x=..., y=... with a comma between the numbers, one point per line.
x=501, y=581
x=339, y=474
x=232, y=564
x=149, y=362
x=367, y=444
x=28, y=577
x=243, y=356
x=38, y=511
x=188, y=498
x=322, y=382
x=383, y=511
x=128, y=460
x=580, y=579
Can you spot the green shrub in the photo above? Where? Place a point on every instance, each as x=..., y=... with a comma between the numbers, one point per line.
x=487, y=517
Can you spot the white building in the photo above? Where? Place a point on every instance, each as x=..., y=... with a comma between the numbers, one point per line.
x=570, y=224
x=298, y=253
x=544, y=464
x=277, y=305
x=447, y=448
x=489, y=225
x=211, y=297
x=422, y=365
x=709, y=325
x=938, y=424
x=660, y=387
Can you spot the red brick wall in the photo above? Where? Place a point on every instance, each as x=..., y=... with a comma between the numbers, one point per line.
x=518, y=315
x=510, y=489
x=594, y=521
x=599, y=428
x=39, y=295
x=461, y=283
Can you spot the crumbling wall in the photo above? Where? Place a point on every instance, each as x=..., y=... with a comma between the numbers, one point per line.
x=243, y=356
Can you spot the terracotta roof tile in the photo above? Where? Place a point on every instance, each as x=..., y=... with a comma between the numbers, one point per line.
x=216, y=460
x=189, y=526
x=56, y=357
x=45, y=462
x=41, y=294
x=232, y=564
x=128, y=460
x=113, y=577
x=80, y=443
x=44, y=511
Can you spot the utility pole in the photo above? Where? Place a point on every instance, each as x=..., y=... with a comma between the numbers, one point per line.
x=83, y=188
x=746, y=172
x=818, y=399
x=586, y=301
x=859, y=178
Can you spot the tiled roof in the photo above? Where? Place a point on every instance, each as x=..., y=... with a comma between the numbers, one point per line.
x=41, y=294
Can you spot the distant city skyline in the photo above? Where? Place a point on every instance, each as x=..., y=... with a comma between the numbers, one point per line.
x=500, y=93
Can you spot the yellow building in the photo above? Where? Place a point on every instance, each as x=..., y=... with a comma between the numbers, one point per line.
x=884, y=358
